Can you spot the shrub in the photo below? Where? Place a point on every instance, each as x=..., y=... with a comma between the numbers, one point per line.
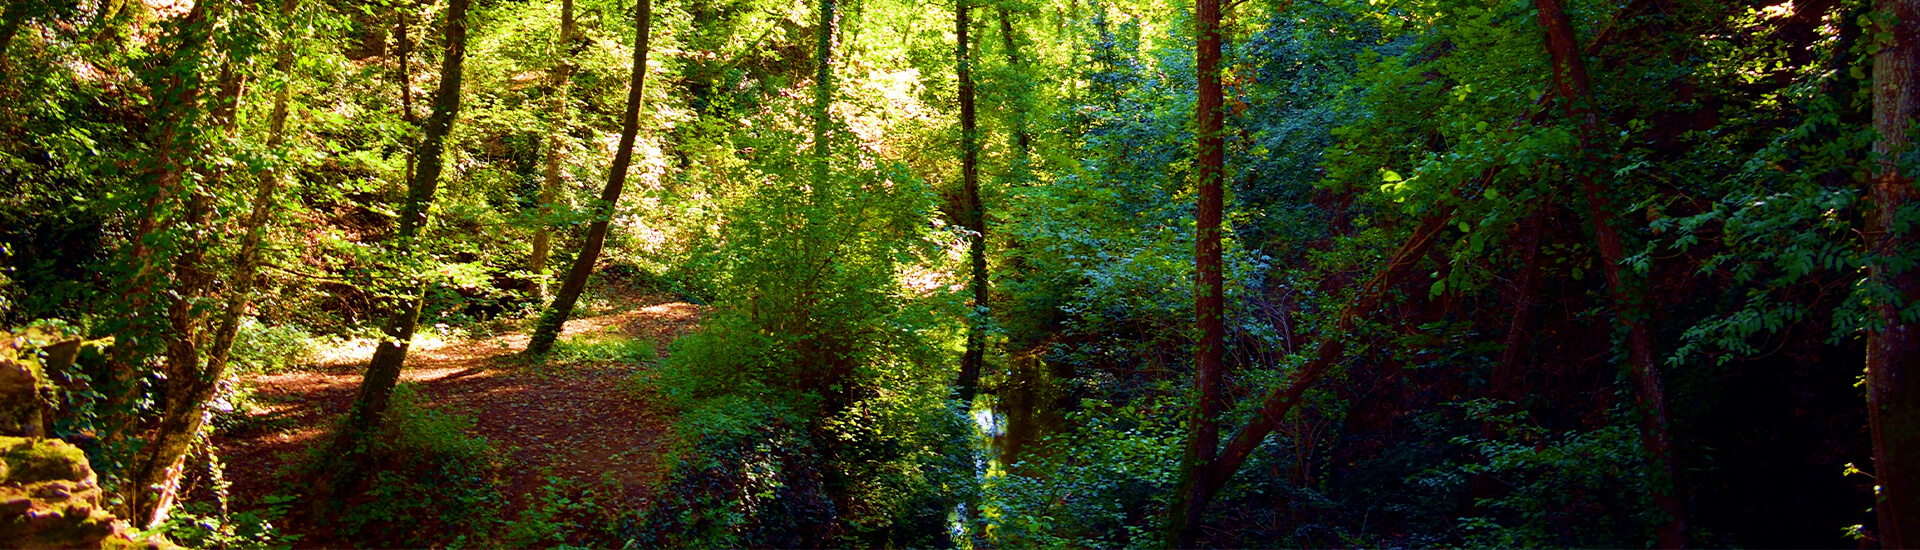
x=749, y=477
x=261, y=348
x=427, y=481
x=598, y=349
x=205, y=525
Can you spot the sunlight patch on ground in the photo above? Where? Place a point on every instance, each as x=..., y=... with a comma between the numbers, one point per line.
x=432, y=347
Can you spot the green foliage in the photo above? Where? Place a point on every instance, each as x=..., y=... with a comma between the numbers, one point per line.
x=206, y=525
x=1554, y=489
x=260, y=348
x=602, y=348
x=569, y=512
x=1733, y=143
x=429, y=483
x=750, y=477
x=1103, y=484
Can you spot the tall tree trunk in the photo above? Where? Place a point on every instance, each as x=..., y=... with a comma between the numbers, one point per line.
x=823, y=93
x=1893, y=348
x=1209, y=306
x=155, y=470
x=1524, y=286
x=186, y=409
x=383, y=371
x=403, y=73
x=1022, y=139
x=1570, y=78
x=973, y=218
x=550, y=185
x=176, y=96
x=576, y=282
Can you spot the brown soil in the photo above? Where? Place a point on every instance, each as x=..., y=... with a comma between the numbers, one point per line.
x=574, y=422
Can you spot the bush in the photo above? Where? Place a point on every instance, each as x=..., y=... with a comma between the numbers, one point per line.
x=750, y=478
x=427, y=482
x=570, y=512
x=1107, y=490
x=205, y=525
x=261, y=348
x=601, y=349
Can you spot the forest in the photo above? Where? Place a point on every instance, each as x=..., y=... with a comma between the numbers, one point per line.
x=959, y=274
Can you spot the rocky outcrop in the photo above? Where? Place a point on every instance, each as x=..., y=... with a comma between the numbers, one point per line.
x=50, y=498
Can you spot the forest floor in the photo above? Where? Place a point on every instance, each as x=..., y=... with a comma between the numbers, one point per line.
x=555, y=423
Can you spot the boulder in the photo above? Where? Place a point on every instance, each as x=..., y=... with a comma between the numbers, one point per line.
x=50, y=497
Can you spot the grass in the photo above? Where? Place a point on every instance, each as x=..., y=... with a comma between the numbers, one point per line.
x=602, y=349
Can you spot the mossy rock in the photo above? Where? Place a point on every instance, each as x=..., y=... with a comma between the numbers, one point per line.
x=25, y=392
x=50, y=497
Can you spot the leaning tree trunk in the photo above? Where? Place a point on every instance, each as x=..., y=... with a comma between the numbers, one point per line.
x=1330, y=347
x=156, y=470
x=562, y=77
x=556, y=315
x=1570, y=77
x=1893, y=347
x=383, y=371
x=1508, y=382
x=972, y=217
x=1203, y=441
x=186, y=409
x=176, y=96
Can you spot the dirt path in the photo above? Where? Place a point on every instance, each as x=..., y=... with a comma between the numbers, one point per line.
x=575, y=422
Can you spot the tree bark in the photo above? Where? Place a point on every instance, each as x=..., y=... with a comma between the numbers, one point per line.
x=1022, y=139
x=176, y=96
x=550, y=185
x=1503, y=380
x=823, y=93
x=186, y=410
x=156, y=470
x=1209, y=305
x=1570, y=78
x=973, y=218
x=403, y=70
x=1331, y=351
x=1893, y=347
x=383, y=371
x=576, y=282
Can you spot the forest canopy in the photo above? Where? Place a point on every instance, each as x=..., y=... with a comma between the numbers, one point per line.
x=971, y=273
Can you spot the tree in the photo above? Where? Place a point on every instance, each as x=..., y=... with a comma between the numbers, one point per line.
x=823, y=92
x=383, y=371
x=1572, y=85
x=178, y=103
x=1893, y=345
x=1022, y=138
x=556, y=315
x=191, y=388
x=403, y=75
x=561, y=111
x=1209, y=293
x=972, y=217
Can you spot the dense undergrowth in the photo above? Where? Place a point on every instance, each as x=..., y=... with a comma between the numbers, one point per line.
x=1476, y=273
